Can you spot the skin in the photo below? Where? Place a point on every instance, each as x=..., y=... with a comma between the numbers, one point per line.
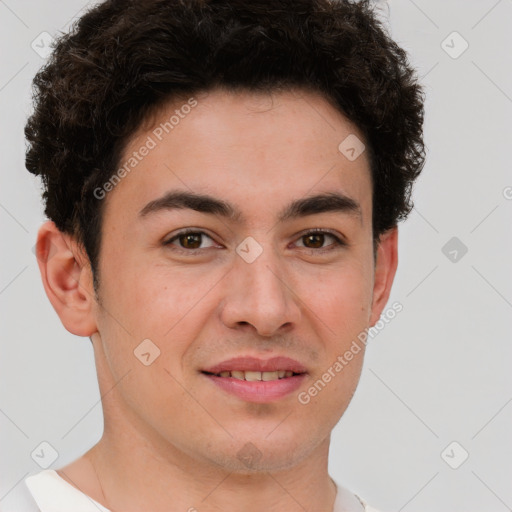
x=171, y=437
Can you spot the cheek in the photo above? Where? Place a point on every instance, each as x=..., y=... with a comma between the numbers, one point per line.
x=151, y=298
x=330, y=391
x=143, y=301
x=341, y=298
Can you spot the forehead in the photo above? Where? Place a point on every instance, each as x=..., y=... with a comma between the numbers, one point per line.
x=253, y=149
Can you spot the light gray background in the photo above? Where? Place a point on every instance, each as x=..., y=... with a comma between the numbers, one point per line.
x=438, y=373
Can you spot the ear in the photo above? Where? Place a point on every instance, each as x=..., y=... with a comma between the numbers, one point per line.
x=385, y=269
x=67, y=279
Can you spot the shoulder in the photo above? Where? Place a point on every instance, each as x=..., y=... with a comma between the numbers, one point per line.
x=54, y=494
x=367, y=508
x=347, y=501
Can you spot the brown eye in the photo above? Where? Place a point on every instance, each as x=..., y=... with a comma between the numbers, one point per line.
x=314, y=240
x=190, y=240
x=320, y=241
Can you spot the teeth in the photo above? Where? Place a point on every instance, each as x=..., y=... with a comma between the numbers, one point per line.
x=252, y=376
x=256, y=376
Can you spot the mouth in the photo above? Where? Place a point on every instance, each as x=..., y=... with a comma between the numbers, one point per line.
x=254, y=376
x=256, y=380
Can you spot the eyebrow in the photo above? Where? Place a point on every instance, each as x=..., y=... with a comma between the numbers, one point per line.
x=203, y=203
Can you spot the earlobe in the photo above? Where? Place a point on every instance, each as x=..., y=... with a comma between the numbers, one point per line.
x=385, y=270
x=67, y=279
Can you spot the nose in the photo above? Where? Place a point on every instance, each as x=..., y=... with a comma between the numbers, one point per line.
x=259, y=296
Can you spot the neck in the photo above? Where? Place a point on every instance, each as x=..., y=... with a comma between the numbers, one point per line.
x=134, y=475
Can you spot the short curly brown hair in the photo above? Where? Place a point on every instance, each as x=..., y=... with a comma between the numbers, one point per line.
x=124, y=58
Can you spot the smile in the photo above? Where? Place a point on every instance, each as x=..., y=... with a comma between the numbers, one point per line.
x=256, y=380
x=253, y=376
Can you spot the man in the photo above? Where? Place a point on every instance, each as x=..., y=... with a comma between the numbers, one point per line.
x=223, y=181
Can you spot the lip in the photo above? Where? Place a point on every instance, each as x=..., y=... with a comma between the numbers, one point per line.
x=248, y=363
x=258, y=391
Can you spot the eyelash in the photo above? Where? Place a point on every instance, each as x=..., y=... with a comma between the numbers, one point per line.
x=338, y=242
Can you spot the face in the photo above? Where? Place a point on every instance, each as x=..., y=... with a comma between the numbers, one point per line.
x=236, y=268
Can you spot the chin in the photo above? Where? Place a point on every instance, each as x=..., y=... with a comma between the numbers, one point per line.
x=257, y=456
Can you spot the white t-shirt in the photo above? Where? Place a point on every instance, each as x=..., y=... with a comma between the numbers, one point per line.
x=54, y=494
